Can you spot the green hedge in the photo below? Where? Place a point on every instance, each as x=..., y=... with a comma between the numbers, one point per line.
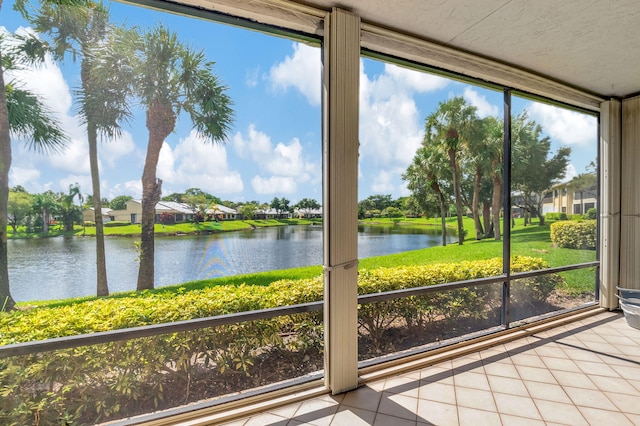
x=574, y=234
x=108, y=381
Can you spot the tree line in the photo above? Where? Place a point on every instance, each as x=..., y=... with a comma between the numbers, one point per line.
x=119, y=66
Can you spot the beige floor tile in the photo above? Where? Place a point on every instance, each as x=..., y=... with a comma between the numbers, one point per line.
x=561, y=364
x=349, y=416
x=502, y=370
x=364, y=398
x=625, y=403
x=535, y=374
x=471, y=380
x=377, y=385
x=439, y=392
x=578, y=380
x=578, y=354
x=516, y=406
x=240, y=422
x=437, y=374
x=475, y=398
x=508, y=420
x=547, y=392
x=620, y=341
x=591, y=337
x=398, y=406
x=468, y=364
x=635, y=419
x=507, y=385
x=473, y=417
x=604, y=348
x=596, y=416
x=266, y=419
x=632, y=352
x=528, y=360
x=318, y=411
x=614, y=384
x=403, y=385
x=286, y=411
x=627, y=372
x=437, y=413
x=386, y=420
x=596, y=369
x=589, y=398
x=551, y=350
x=560, y=413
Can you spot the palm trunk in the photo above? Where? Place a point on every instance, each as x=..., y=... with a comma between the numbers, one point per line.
x=102, y=286
x=443, y=206
x=456, y=190
x=475, y=202
x=160, y=123
x=6, y=301
x=496, y=205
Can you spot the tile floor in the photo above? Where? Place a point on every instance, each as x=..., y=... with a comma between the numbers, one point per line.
x=583, y=373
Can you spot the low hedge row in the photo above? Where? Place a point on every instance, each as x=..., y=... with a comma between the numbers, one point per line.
x=574, y=234
x=108, y=381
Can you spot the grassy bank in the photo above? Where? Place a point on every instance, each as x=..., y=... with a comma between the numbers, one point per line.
x=533, y=241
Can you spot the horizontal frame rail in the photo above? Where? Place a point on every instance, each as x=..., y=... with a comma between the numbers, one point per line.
x=68, y=342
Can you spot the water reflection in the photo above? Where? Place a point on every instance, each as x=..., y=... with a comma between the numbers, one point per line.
x=56, y=268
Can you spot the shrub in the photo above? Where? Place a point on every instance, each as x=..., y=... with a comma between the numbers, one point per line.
x=104, y=382
x=591, y=214
x=574, y=234
x=556, y=216
x=114, y=223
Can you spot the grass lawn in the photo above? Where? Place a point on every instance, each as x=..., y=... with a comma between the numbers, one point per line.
x=531, y=241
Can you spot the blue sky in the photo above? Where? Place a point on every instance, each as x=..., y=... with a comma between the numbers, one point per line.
x=274, y=147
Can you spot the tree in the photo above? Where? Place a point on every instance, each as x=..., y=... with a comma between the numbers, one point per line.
x=120, y=202
x=45, y=203
x=22, y=114
x=171, y=78
x=452, y=126
x=69, y=211
x=306, y=205
x=280, y=205
x=248, y=210
x=427, y=173
x=376, y=202
x=534, y=172
x=84, y=32
x=199, y=205
x=19, y=207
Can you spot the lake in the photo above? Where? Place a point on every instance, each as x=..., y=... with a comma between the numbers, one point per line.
x=62, y=267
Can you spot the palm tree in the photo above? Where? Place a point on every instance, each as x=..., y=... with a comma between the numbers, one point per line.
x=494, y=130
x=22, y=114
x=451, y=125
x=172, y=78
x=68, y=209
x=428, y=171
x=45, y=203
x=85, y=33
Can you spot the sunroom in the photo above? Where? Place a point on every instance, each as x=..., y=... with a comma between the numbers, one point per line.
x=511, y=330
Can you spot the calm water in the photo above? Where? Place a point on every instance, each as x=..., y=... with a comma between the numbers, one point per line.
x=57, y=268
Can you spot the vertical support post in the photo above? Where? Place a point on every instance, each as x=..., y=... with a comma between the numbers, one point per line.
x=629, y=196
x=609, y=201
x=506, y=217
x=340, y=158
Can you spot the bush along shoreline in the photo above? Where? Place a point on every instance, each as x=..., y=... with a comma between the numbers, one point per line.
x=104, y=382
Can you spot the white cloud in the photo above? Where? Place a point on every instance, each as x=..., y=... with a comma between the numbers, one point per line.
x=74, y=158
x=251, y=77
x=110, y=151
x=382, y=183
x=132, y=188
x=273, y=185
x=565, y=126
x=25, y=176
x=197, y=163
x=284, y=162
x=83, y=181
x=302, y=70
x=570, y=172
x=485, y=109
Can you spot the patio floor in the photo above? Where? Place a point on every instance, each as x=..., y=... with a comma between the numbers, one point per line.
x=583, y=373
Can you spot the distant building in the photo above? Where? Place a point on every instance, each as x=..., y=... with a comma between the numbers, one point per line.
x=89, y=216
x=168, y=211
x=563, y=199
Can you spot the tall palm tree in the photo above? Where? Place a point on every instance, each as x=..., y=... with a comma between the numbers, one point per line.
x=451, y=125
x=493, y=133
x=22, y=114
x=171, y=78
x=84, y=32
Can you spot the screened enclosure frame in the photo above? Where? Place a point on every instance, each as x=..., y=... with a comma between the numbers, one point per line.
x=344, y=39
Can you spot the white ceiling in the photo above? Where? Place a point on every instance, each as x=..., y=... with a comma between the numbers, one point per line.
x=593, y=45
